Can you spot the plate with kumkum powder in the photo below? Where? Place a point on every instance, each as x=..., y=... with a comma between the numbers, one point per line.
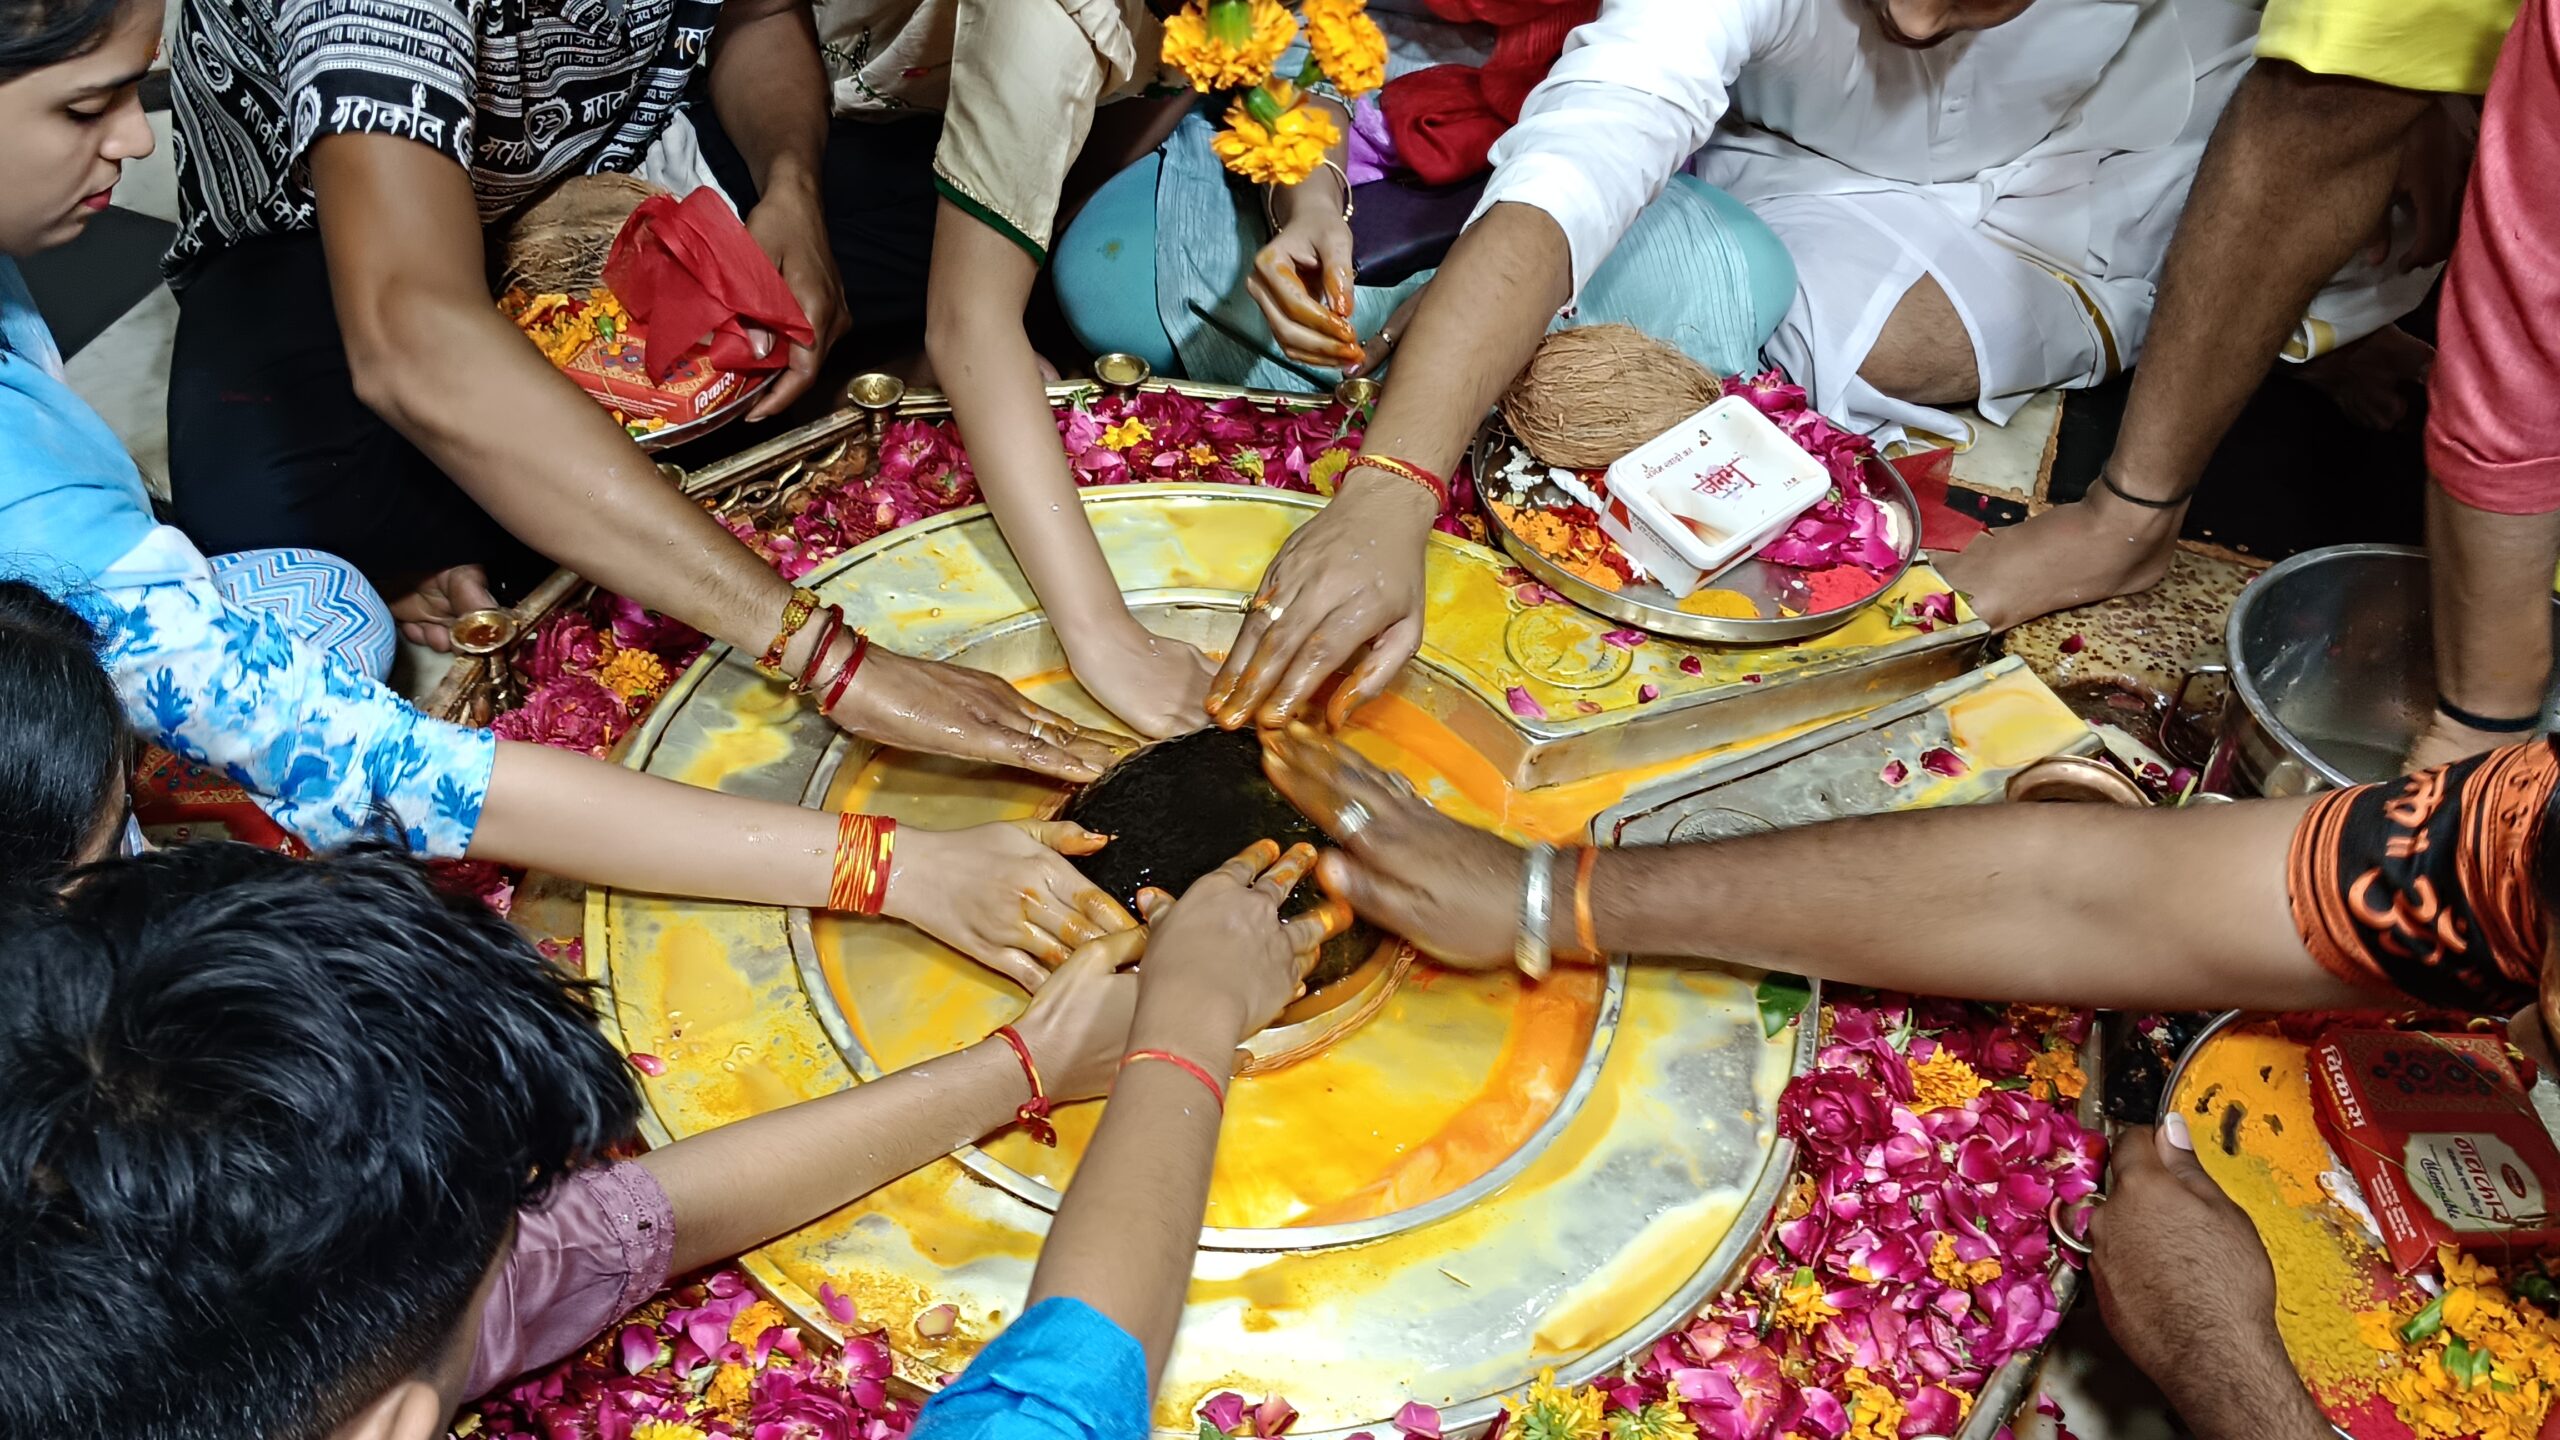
x=1841, y=557
x=591, y=339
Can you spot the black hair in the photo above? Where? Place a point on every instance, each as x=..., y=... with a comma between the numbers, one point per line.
x=264, y=1126
x=38, y=33
x=63, y=743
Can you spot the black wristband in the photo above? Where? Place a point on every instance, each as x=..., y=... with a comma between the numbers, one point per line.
x=2120, y=493
x=2485, y=724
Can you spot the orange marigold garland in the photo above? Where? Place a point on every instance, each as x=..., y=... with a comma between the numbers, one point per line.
x=1272, y=136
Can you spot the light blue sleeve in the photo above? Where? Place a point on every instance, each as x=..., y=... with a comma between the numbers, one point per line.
x=1062, y=1372
x=333, y=754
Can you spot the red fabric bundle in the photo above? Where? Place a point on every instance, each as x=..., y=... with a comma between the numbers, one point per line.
x=689, y=273
x=1446, y=118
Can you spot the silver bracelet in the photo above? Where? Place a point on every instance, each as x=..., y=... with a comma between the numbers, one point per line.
x=1270, y=212
x=1530, y=950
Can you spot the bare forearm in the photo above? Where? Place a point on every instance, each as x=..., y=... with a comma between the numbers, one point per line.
x=741, y=1185
x=1323, y=191
x=1126, y=1235
x=770, y=91
x=1479, y=322
x=2243, y=1387
x=576, y=816
x=2298, y=172
x=2074, y=904
x=984, y=361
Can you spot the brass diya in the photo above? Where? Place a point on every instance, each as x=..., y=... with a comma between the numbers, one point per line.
x=1179, y=809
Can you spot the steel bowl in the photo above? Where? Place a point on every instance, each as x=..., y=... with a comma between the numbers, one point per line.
x=1651, y=608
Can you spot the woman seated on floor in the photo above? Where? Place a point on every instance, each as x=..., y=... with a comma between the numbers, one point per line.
x=1207, y=277
x=263, y=666
x=297, y=1148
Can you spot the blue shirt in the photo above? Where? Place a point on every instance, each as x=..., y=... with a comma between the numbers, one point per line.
x=71, y=501
x=1062, y=1372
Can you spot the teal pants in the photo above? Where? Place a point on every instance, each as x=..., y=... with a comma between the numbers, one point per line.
x=1698, y=270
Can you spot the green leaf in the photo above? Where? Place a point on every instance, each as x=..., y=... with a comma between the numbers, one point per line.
x=2425, y=1323
x=1211, y=1432
x=1782, y=998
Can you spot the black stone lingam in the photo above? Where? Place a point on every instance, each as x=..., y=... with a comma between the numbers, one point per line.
x=1181, y=808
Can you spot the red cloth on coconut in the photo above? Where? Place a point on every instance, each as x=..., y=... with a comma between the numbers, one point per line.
x=1445, y=119
x=686, y=268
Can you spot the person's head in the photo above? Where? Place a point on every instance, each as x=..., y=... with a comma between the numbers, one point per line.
x=64, y=748
x=70, y=72
x=1920, y=24
x=264, y=1128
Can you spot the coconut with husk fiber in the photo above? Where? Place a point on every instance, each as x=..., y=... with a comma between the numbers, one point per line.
x=1592, y=394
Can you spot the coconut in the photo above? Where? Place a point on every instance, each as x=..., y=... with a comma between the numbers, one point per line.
x=1592, y=394
x=558, y=244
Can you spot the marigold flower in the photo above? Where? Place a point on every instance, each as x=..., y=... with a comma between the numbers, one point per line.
x=1801, y=1305
x=632, y=674
x=1945, y=1082
x=2055, y=1074
x=1283, y=152
x=1944, y=1264
x=666, y=1430
x=1661, y=1420
x=1551, y=1412
x=1213, y=57
x=1327, y=470
x=1127, y=434
x=1347, y=44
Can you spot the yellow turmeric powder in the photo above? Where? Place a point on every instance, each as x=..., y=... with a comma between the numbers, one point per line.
x=1721, y=605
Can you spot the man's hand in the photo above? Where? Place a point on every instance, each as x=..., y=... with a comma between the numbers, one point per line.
x=953, y=710
x=1302, y=281
x=1346, y=589
x=791, y=225
x=426, y=614
x=1222, y=957
x=1450, y=889
x=2186, y=1289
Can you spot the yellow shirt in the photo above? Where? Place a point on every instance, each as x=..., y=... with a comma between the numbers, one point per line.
x=2434, y=45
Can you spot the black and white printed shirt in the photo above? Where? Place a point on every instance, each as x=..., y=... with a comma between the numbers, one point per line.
x=518, y=92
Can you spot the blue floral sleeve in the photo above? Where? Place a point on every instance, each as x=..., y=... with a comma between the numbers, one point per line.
x=1063, y=1371
x=333, y=754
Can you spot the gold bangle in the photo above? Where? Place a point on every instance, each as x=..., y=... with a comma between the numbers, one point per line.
x=804, y=603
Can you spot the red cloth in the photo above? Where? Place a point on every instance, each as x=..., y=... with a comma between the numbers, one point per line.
x=686, y=268
x=1446, y=118
x=176, y=801
x=2493, y=427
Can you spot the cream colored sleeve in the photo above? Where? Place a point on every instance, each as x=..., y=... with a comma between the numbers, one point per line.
x=1026, y=76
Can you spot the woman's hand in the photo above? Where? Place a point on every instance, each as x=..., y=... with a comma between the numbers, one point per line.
x=1158, y=686
x=1078, y=1025
x=1346, y=589
x=1223, y=959
x=791, y=226
x=953, y=710
x=1003, y=894
x=1452, y=890
x=1302, y=281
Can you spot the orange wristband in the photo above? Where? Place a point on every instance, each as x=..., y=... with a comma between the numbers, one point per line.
x=865, y=844
x=1585, y=933
x=804, y=603
x=1407, y=470
x=1217, y=1092
x=1034, y=1113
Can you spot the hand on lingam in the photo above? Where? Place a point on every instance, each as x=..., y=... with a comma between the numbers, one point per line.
x=1345, y=591
x=1004, y=894
x=1453, y=890
x=1158, y=686
x=1221, y=958
x=940, y=709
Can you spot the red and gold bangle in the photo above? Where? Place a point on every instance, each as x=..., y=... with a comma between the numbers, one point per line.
x=1034, y=1113
x=1407, y=470
x=1217, y=1092
x=1585, y=933
x=804, y=603
x=831, y=620
x=844, y=677
x=865, y=844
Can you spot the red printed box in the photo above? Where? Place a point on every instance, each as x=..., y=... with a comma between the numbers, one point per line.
x=2440, y=1133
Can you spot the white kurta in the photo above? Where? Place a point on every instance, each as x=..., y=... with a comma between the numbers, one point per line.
x=2035, y=169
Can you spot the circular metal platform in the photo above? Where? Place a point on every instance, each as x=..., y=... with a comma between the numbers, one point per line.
x=1487, y=1179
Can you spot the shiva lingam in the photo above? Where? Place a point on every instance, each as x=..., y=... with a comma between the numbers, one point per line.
x=1433, y=1185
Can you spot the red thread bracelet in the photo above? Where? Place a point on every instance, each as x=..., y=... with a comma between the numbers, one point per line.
x=1407, y=470
x=1034, y=1113
x=1217, y=1092
x=832, y=622
x=844, y=677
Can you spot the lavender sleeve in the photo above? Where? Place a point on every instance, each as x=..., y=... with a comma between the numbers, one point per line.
x=595, y=1248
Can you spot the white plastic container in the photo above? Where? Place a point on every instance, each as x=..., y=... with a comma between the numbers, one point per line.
x=1706, y=494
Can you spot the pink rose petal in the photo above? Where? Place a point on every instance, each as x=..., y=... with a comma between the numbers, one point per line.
x=1691, y=665
x=1943, y=762
x=1224, y=1410
x=938, y=1322
x=641, y=1348
x=1524, y=704
x=2073, y=644
x=1624, y=639
x=1273, y=1417
x=1417, y=1421
x=1751, y=679
x=838, y=1307
x=1895, y=772
x=1647, y=693
x=647, y=1064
